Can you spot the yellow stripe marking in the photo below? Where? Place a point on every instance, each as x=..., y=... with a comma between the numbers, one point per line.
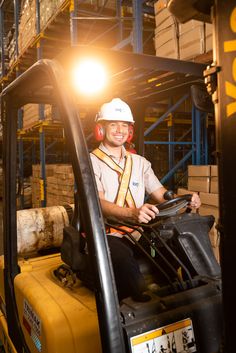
x=230, y=45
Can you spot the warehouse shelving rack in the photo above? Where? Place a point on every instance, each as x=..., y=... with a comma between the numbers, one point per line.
x=64, y=25
x=196, y=144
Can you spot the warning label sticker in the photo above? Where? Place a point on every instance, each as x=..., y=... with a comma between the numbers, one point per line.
x=174, y=338
x=32, y=323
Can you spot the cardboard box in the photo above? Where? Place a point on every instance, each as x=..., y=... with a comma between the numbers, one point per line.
x=191, y=42
x=199, y=183
x=209, y=199
x=189, y=26
x=214, y=236
x=163, y=22
x=160, y=5
x=206, y=210
x=182, y=191
x=193, y=38
x=166, y=32
x=164, y=36
x=216, y=252
x=199, y=170
x=208, y=37
x=214, y=185
x=168, y=50
x=164, y=19
x=214, y=170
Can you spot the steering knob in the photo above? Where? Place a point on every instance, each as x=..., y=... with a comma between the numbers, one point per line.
x=168, y=195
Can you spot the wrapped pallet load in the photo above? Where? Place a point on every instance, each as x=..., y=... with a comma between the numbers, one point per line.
x=166, y=32
x=184, y=41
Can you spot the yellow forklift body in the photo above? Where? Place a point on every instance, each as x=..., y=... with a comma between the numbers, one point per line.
x=4, y=337
x=54, y=319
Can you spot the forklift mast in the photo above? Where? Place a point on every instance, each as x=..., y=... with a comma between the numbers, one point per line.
x=224, y=70
x=220, y=79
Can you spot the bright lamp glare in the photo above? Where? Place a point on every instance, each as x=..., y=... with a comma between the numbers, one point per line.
x=89, y=77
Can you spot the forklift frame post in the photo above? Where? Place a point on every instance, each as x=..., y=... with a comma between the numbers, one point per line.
x=224, y=24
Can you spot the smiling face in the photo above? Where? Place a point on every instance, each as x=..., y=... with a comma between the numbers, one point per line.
x=117, y=133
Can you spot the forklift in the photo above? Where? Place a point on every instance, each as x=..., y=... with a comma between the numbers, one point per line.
x=67, y=301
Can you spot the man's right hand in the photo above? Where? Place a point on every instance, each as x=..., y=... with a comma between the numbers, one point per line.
x=145, y=213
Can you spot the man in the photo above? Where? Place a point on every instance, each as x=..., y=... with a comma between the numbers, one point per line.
x=122, y=180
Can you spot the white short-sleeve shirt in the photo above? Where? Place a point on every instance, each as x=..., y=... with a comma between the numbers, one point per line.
x=143, y=179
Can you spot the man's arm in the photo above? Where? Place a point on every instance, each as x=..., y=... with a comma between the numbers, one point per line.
x=158, y=195
x=138, y=215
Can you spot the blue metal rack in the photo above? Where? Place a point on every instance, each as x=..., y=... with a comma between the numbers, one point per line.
x=198, y=146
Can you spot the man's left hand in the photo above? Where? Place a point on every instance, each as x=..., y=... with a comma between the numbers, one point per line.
x=195, y=201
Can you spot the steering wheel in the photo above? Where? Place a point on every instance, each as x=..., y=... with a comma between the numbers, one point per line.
x=171, y=207
x=166, y=209
x=175, y=200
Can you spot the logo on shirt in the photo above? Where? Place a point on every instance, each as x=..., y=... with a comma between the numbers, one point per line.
x=134, y=183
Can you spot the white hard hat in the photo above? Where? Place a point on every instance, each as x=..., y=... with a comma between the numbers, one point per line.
x=116, y=110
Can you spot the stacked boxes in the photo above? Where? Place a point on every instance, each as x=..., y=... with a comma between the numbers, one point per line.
x=35, y=182
x=184, y=41
x=199, y=178
x=208, y=37
x=27, y=25
x=47, y=10
x=60, y=186
x=12, y=51
x=195, y=38
x=204, y=180
x=11, y=47
x=59, y=182
x=210, y=205
x=166, y=32
x=31, y=114
x=214, y=189
x=191, y=39
x=106, y=4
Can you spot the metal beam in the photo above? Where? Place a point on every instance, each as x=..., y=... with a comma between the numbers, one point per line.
x=177, y=166
x=162, y=118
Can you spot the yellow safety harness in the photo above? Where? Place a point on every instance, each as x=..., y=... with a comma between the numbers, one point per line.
x=124, y=196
